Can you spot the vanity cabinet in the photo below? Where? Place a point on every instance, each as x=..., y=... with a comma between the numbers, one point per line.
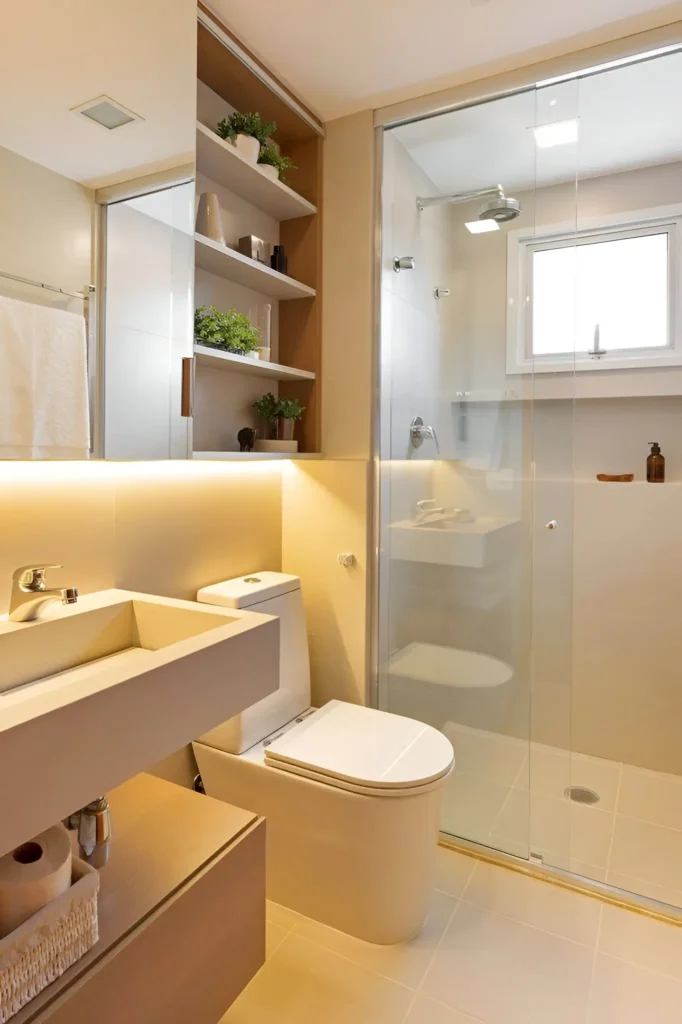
x=181, y=914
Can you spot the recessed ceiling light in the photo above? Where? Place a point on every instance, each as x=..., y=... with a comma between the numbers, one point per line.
x=559, y=133
x=107, y=112
x=480, y=227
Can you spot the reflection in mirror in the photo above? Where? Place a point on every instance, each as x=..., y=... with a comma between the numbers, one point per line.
x=107, y=97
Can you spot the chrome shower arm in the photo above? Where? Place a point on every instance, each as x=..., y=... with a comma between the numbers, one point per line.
x=461, y=197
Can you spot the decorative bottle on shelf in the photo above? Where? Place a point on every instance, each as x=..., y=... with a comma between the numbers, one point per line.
x=655, y=465
x=278, y=260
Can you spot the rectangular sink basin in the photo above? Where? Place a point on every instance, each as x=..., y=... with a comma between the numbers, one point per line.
x=92, y=693
x=468, y=545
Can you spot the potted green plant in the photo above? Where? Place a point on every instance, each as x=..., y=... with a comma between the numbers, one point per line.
x=288, y=411
x=267, y=408
x=278, y=418
x=272, y=163
x=230, y=331
x=247, y=132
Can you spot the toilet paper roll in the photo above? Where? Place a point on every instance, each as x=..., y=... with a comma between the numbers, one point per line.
x=33, y=875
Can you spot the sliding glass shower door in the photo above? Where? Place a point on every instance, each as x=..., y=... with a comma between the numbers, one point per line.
x=475, y=566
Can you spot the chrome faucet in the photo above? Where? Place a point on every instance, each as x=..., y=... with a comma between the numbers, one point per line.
x=29, y=592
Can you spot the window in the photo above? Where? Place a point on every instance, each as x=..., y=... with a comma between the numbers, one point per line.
x=595, y=299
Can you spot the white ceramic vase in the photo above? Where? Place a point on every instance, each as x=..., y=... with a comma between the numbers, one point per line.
x=248, y=147
x=269, y=171
x=209, y=220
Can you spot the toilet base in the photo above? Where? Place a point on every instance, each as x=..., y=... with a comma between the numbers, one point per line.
x=361, y=864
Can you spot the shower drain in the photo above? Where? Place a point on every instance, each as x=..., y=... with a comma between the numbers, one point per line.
x=581, y=795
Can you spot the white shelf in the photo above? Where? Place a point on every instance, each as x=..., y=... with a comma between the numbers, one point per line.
x=221, y=162
x=228, y=263
x=252, y=367
x=253, y=456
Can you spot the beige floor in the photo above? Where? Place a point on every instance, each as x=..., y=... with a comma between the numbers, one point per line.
x=498, y=948
x=509, y=795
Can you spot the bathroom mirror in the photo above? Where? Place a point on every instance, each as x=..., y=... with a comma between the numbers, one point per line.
x=96, y=164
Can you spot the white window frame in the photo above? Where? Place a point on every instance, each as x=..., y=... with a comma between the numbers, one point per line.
x=523, y=243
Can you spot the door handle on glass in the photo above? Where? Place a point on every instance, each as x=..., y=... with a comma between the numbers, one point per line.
x=551, y=525
x=420, y=432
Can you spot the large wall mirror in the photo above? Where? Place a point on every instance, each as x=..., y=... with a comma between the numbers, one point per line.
x=97, y=131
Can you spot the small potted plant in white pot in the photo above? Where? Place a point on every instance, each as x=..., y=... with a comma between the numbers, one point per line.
x=247, y=132
x=230, y=331
x=272, y=163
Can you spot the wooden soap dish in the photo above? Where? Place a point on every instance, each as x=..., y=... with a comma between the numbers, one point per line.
x=624, y=478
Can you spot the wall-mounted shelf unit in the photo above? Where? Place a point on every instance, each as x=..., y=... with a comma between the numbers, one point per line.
x=218, y=259
x=222, y=162
x=225, y=386
x=253, y=367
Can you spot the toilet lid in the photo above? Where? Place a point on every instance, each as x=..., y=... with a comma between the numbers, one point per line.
x=368, y=748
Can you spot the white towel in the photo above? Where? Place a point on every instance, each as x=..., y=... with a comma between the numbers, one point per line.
x=44, y=408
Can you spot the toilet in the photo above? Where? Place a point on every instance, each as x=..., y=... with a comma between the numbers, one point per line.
x=351, y=795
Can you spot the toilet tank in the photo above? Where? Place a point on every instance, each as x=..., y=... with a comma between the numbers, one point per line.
x=274, y=593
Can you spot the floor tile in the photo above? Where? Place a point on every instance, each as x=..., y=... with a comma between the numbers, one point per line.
x=452, y=871
x=649, y=852
x=406, y=962
x=651, y=796
x=506, y=972
x=534, y=902
x=671, y=897
x=591, y=834
x=274, y=936
x=303, y=983
x=487, y=755
x=428, y=1011
x=275, y=913
x=642, y=940
x=624, y=993
x=590, y=871
x=471, y=806
x=552, y=770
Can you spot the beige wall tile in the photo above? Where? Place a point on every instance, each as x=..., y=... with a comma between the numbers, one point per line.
x=324, y=507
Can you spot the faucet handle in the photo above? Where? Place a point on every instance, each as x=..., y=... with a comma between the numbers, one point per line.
x=32, y=576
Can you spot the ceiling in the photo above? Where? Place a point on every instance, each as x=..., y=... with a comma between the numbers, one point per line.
x=341, y=57
x=628, y=117
x=58, y=55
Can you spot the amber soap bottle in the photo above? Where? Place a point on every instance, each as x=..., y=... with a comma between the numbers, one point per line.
x=655, y=465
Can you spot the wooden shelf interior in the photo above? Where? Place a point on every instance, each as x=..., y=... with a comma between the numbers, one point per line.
x=221, y=70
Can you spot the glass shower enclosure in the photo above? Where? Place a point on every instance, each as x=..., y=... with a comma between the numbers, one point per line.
x=530, y=351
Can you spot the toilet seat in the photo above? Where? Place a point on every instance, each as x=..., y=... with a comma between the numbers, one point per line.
x=363, y=750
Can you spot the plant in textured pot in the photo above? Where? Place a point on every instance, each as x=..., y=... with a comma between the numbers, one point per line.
x=248, y=133
x=230, y=331
x=272, y=163
x=267, y=408
x=288, y=411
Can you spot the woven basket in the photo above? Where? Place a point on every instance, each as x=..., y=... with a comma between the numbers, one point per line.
x=42, y=948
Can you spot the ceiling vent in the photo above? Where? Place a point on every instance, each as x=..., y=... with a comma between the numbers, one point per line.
x=107, y=112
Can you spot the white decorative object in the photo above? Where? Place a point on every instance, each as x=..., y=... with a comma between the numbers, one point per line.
x=269, y=171
x=283, y=447
x=254, y=354
x=209, y=219
x=49, y=942
x=248, y=147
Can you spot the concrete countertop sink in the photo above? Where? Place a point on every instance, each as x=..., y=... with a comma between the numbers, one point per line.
x=92, y=693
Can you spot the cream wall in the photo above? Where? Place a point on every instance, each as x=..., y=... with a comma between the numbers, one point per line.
x=46, y=230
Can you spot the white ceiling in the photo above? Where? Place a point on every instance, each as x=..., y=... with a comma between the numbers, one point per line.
x=57, y=54
x=355, y=54
x=628, y=117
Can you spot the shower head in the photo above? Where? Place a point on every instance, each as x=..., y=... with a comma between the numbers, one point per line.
x=498, y=208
